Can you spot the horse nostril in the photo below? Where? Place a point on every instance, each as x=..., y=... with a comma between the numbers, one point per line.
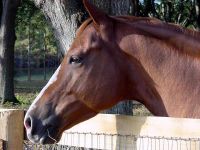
x=28, y=123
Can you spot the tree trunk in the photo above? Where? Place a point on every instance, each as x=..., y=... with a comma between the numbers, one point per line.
x=135, y=9
x=44, y=59
x=167, y=10
x=197, y=6
x=7, y=41
x=115, y=7
x=150, y=9
x=65, y=16
x=29, y=50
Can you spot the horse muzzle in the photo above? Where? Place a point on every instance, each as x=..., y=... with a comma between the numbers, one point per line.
x=40, y=132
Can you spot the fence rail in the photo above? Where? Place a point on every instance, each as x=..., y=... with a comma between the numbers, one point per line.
x=135, y=133
x=109, y=132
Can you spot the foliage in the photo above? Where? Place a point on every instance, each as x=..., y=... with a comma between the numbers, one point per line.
x=183, y=12
x=32, y=31
x=180, y=12
x=24, y=97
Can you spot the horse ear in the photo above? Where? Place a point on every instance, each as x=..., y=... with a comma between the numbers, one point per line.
x=102, y=21
x=98, y=16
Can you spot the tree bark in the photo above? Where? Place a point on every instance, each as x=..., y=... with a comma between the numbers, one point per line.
x=197, y=7
x=115, y=7
x=150, y=8
x=44, y=58
x=65, y=16
x=7, y=41
x=29, y=50
x=135, y=10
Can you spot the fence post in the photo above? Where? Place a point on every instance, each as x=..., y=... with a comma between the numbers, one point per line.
x=11, y=128
x=1, y=145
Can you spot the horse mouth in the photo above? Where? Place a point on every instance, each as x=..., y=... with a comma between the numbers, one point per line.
x=48, y=136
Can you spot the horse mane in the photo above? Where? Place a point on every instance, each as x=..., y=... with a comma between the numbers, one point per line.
x=184, y=40
x=181, y=39
x=157, y=22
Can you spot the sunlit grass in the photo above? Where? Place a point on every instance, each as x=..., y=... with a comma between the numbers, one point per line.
x=25, y=98
x=25, y=92
x=140, y=110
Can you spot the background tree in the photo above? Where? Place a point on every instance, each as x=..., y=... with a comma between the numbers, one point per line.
x=7, y=40
x=183, y=12
x=24, y=18
x=34, y=40
x=197, y=11
x=150, y=9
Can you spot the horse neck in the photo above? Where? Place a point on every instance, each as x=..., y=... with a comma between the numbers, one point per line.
x=175, y=73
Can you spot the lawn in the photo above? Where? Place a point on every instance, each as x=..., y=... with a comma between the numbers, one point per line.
x=37, y=74
x=26, y=91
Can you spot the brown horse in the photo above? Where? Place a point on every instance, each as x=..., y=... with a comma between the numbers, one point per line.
x=118, y=58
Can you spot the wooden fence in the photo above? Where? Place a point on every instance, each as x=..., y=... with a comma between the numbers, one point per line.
x=11, y=129
x=135, y=133
x=112, y=132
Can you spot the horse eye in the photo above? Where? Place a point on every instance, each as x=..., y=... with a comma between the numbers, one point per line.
x=75, y=60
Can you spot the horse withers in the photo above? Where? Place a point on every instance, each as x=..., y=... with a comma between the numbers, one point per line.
x=117, y=58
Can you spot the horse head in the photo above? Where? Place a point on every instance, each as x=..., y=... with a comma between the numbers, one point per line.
x=91, y=78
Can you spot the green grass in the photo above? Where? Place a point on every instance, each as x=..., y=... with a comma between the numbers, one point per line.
x=140, y=110
x=30, y=86
x=25, y=98
x=36, y=74
x=25, y=92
